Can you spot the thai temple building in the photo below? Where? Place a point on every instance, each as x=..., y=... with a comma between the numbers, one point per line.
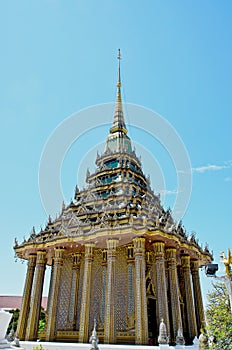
x=117, y=256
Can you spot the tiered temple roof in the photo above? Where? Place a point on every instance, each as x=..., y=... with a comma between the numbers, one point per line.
x=117, y=200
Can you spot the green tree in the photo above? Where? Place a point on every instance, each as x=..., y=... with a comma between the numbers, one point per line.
x=42, y=321
x=15, y=317
x=219, y=317
x=14, y=320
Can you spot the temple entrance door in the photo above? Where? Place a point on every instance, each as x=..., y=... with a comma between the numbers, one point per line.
x=152, y=323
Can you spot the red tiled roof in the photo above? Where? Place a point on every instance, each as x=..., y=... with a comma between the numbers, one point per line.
x=8, y=302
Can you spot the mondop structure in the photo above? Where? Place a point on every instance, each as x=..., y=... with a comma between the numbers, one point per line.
x=117, y=256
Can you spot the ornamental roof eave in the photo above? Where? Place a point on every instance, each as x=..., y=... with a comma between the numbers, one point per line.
x=125, y=235
x=108, y=154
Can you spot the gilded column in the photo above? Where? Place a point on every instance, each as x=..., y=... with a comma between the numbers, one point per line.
x=103, y=287
x=109, y=324
x=49, y=302
x=130, y=288
x=25, y=307
x=191, y=318
x=199, y=310
x=75, y=286
x=161, y=285
x=53, y=293
x=85, y=300
x=37, y=290
x=141, y=318
x=174, y=291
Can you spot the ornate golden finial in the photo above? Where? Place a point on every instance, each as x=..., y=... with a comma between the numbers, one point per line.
x=119, y=75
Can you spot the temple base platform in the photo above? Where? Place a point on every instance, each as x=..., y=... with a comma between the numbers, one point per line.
x=28, y=345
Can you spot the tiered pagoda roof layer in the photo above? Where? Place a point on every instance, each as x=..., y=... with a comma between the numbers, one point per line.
x=117, y=202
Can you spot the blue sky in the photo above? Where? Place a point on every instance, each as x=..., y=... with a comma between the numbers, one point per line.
x=59, y=57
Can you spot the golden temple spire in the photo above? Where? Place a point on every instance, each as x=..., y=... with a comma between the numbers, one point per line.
x=119, y=75
x=118, y=141
x=118, y=123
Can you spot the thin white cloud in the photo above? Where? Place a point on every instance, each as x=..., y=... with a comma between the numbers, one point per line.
x=228, y=162
x=168, y=192
x=228, y=179
x=213, y=167
x=180, y=171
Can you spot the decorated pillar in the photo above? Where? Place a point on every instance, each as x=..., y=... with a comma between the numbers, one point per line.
x=53, y=294
x=85, y=299
x=141, y=318
x=161, y=285
x=109, y=324
x=37, y=290
x=199, y=310
x=103, y=287
x=49, y=301
x=130, y=288
x=174, y=292
x=191, y=318
x=25, y=307
x=75, y=288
